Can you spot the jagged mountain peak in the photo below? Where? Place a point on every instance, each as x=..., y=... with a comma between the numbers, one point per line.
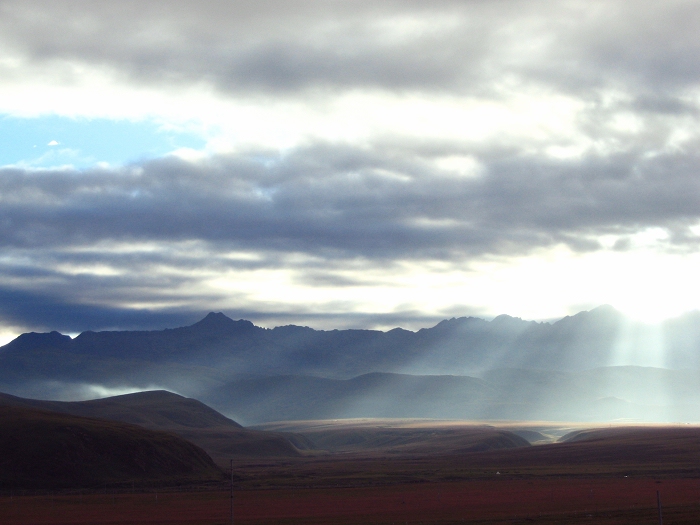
x=216, y=317
x=219, y=321
x=604, y=312
x=506, y=320
x=33, y=340
x=454, y=322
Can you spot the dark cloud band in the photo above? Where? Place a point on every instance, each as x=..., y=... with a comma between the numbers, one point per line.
x=338, y=202
x=646, y=49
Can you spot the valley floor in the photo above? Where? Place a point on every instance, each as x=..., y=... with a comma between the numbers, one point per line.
x=547, y=500
x=413, y=472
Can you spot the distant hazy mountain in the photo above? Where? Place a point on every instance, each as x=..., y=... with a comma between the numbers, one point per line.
x=506, y=367
x=279, y=398
x=603, y=394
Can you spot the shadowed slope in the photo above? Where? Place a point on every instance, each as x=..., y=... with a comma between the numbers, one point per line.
x=41, y=449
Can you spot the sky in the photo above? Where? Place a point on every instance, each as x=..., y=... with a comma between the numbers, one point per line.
x=346, y=163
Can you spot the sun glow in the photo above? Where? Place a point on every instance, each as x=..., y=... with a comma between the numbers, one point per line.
x=649, y=286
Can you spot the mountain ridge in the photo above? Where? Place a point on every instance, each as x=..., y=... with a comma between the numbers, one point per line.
x=469, y=343
x=333, y=368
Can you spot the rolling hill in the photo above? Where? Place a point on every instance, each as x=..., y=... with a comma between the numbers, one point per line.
x=42, y=449
x=190, y=419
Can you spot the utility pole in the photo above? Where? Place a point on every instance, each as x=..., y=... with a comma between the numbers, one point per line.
x=231, y=492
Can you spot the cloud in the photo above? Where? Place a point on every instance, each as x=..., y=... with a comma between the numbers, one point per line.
x=44, y=312
x=347, y=141
x=342, y=201
x=150, y=244
x=53, y=143
x=645, y=49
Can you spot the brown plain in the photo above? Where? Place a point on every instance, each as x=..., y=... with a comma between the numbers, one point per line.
x=382, y=472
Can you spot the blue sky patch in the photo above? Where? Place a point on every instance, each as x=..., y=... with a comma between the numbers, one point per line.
x=52, y=141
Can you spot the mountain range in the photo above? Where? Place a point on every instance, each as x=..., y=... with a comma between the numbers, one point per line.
x=595, y=365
